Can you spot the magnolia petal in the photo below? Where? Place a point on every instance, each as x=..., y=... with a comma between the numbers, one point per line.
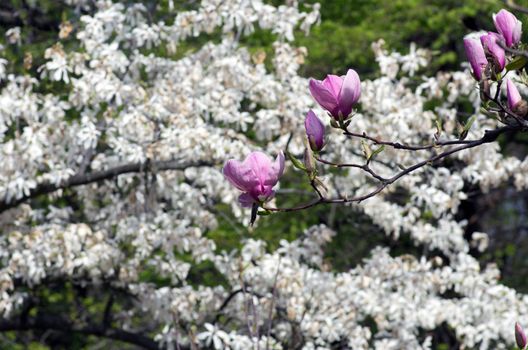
x=261, y=165
x=246, y=200
x=476, y=56
x=323, y=96
x=350, y=92
x=333, y=83
x=240, y=175
x=277, y=168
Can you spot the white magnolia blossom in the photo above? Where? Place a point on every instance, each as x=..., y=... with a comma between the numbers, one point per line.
x=125, y=105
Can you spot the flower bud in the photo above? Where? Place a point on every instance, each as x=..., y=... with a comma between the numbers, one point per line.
x=314, y=131
x=495, y=53
x=515, y=101
x=508, y=26
x=521, y=109
x=476, y=56
x=520, y=336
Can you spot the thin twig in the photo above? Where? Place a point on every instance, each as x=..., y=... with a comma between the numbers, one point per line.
x=397, y=145
x=364, y=167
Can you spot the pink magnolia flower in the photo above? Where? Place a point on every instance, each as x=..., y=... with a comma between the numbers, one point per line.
x=508, y=26
x=514, y=97
x=315, y=131
x=476, y=56
x=490, y=45
x=520, y=336
x=255, y=177
x=337, y=94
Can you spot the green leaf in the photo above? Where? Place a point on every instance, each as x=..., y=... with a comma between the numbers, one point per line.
x=469, y=123
x=366, y=149
x=465, y=130
x=296, y=163
x=518, y=63
x=377, y=151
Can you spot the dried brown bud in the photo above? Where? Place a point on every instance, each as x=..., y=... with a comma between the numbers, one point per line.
x=259, y=57
x=28, y=60
x=521, y=108
x=65, y=29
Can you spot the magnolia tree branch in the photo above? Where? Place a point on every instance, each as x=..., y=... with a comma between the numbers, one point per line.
x=489, y=136
x=491, y=57
x=398, y=145
x=97, y=176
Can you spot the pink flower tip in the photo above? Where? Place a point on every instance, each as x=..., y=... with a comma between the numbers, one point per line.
x=513, y=95
x=520, y=336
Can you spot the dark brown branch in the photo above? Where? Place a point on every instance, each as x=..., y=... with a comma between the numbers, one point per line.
x=97, y=176
x=489, y=136
x=229, y=298
x=56, y=323
x=225, y=303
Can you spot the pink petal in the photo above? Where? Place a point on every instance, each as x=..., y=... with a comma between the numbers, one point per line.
x=240, y=175
x=246, y=200
x=326, y=98
x=333, y=83
x=476, y=56
x=277, y=169
x=261, y=165
x=350, y=92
